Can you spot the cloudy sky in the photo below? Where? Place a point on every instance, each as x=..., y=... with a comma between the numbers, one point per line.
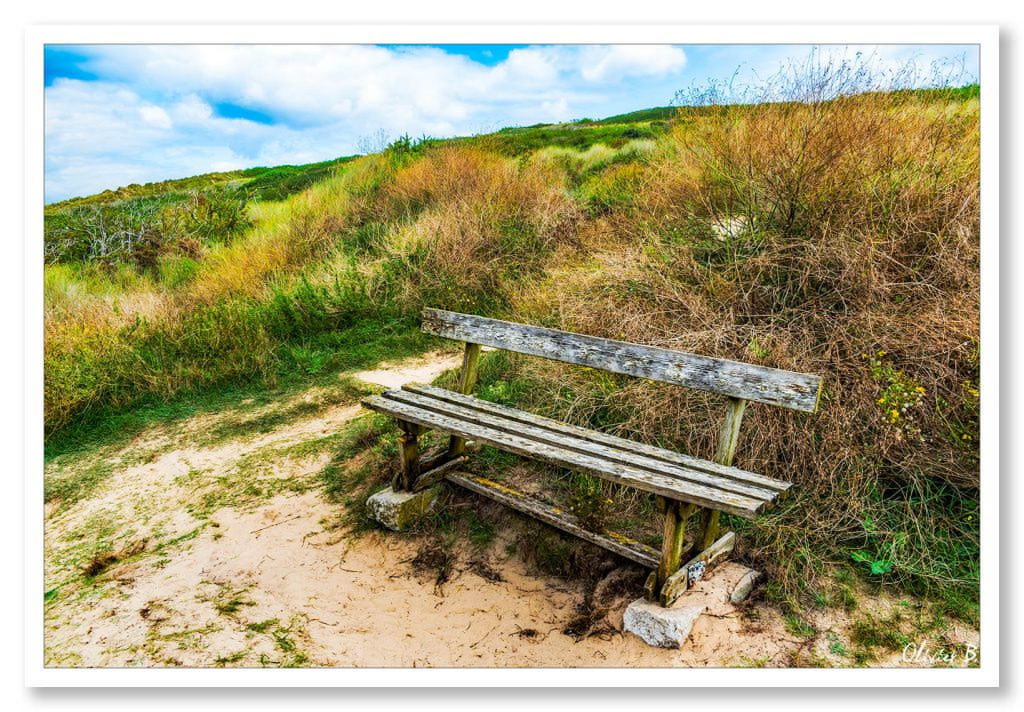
x=120, y=114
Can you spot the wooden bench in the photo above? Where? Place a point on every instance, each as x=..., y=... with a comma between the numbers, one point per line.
x=685, y=485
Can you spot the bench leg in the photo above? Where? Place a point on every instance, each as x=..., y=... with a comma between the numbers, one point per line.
x=708, y=530
x=676, y=515
x=728, y=436
x=467, y=382
x=409, y=450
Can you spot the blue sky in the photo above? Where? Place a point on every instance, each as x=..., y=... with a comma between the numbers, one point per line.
x=121, y=114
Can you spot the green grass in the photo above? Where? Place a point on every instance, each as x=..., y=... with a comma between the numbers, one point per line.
x=578, y=135
x=242, y=424
x=261, y=183
x=224, y=660
x=869, y=633
x=836, y=646
x=798, y=626
x=658, y=113
x=361, y=346
x=279, y=182
x=262, y=626
x=74, y=482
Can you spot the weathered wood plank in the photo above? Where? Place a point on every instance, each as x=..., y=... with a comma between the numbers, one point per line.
x=762, y=384
x=615, y=472
x=409, y=451
x=673, y=535
x=436, y=473
x=678, y=583
x=728, y=436
x=582, y=446
x=467, y=382
x=651, y=586
x=624, y=450
x=470, y=363
x=556, y=517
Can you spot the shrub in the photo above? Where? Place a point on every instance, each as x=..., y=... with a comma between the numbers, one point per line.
x=859, y=234
x=141, y=230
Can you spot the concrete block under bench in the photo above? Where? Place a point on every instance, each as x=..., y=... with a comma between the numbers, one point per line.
x=399, y=511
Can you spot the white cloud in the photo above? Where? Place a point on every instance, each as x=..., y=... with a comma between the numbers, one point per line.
x=191, y=110
x=155, y=116
x=100, y=136
x=313, y=85
x=615, y=62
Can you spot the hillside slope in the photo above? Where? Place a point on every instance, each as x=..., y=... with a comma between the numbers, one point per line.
x=835, y=237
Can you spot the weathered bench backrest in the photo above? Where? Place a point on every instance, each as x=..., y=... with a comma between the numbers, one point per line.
x=798, y=391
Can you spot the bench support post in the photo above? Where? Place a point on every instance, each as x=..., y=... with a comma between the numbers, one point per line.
x=674, y=535
x=727, y=439
x=409, y=450
x=467, y=382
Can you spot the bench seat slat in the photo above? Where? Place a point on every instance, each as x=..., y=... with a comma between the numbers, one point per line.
x=761, y=384
x=580, y=445
x=670, y=487
x=596, y=436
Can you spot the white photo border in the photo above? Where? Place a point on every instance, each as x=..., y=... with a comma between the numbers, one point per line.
x=986, y=36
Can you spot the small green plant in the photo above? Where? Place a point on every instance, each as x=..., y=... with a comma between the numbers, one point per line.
x=232, y=605
x=588, y=501
x=900, y=396
x=836, y=647
x=876, y=566
x=798, y=626
x=869, y=633
x=481, y=531
x=755, y=349
x=225, y=660
x=262, y=626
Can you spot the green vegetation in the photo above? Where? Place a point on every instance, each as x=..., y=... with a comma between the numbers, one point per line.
x=836, y=236
x=273, y=183
x=578, y=135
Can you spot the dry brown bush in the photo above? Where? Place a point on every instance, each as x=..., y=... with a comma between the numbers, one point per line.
x=472, y=223
x=859, y=234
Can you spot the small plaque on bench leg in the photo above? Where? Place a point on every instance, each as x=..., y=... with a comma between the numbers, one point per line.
x=695, y=569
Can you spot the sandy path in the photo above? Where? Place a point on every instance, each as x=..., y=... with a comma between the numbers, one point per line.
x=360, y=603
x=420, y=369
x=276, y=581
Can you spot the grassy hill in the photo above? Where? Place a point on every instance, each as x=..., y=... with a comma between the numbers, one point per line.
x=835, y=237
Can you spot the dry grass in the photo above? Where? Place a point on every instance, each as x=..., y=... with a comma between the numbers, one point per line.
x=469, y=224
x=854, y=254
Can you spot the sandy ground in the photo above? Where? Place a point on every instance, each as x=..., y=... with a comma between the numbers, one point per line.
x=421, y=369
x=276, y=580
